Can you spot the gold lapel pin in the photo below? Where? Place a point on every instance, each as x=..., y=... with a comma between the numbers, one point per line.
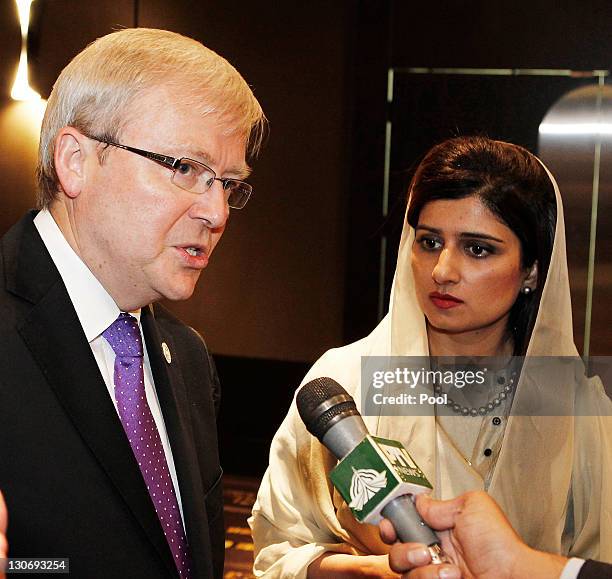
x=166, y=352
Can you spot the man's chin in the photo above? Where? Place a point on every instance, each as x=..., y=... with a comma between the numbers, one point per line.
x=179, y=295
x=178, y=292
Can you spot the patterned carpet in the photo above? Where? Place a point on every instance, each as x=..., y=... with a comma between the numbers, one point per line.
x=239, y=495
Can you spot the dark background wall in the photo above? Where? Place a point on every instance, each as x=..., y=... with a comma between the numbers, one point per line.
x=297, y=271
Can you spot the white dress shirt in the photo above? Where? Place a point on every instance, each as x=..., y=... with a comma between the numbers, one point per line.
x=96, y=311
x=572, y=568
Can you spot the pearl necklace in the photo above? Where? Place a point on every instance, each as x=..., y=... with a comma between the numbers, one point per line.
x=482, y=410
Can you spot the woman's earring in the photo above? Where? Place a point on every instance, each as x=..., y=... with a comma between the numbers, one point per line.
x=526, y=290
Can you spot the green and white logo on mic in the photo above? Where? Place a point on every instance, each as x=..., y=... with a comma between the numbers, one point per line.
x=366, y=482
x=375, y=472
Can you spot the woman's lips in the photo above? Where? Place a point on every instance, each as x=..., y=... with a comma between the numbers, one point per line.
x=444, y=301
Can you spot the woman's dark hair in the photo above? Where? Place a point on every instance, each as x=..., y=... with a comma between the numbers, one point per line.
x=514, y=186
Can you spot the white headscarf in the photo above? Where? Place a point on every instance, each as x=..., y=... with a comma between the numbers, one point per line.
x=552, y=477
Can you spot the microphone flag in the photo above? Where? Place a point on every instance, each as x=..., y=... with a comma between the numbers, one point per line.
x=374, y=473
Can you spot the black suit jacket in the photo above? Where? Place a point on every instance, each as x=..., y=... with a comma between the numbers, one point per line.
x=72, y=485
x=595, y=570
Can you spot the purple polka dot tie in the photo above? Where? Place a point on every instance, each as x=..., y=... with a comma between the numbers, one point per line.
x=124, y=337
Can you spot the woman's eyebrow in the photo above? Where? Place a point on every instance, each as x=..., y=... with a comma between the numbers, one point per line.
x=478, y=235
x=428, y=228
x=463, y=234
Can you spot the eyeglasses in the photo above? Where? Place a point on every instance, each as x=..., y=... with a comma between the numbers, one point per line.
x=192, y=175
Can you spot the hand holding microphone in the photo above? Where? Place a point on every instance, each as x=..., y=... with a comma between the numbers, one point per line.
x=374, y=475
x=479, y=541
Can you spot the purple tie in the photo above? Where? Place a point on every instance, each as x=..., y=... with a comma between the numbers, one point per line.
x=124, y=337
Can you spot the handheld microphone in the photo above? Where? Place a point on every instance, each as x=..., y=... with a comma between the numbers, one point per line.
x=375, y=476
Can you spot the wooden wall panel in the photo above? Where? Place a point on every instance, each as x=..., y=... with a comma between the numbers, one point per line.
x=275, y=285
x=62, y=28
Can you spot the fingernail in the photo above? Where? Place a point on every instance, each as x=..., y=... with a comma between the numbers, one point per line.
x=449, y=573
x=418, y=556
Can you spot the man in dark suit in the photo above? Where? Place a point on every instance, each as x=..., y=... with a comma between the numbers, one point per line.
x=107, y=402
x=481, y=543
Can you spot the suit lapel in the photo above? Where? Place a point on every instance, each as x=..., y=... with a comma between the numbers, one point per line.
x=54, y=335
x=175, y=405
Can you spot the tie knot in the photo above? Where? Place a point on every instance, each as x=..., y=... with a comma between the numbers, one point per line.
x=123, y=335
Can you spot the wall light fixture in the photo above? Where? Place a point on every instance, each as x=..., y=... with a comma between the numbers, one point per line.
x=21, y=90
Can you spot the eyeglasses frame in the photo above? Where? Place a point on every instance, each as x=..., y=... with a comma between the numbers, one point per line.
x=172, y=163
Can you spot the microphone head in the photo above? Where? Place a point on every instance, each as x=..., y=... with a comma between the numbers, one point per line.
x=322, y=402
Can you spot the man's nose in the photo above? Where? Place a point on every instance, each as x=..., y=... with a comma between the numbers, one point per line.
x=211, y=206
x=446, y=269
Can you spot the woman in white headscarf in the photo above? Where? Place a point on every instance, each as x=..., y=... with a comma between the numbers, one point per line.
x=481, y=271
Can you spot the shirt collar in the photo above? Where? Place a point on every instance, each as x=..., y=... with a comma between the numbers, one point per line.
x=94, y=306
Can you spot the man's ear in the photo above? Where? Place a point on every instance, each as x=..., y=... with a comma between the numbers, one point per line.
x=531, y=281
x=69, y=159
